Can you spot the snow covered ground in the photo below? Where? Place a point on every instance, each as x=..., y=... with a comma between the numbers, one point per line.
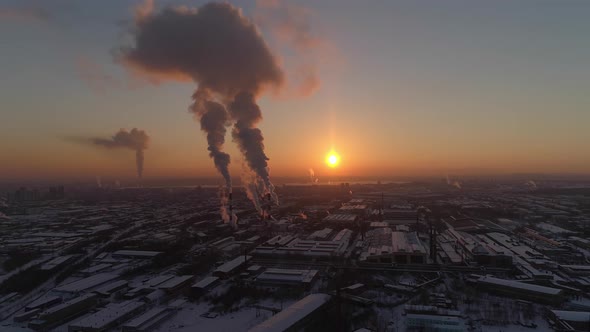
x=189, y=319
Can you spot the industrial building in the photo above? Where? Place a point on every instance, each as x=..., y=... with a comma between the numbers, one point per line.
x=333, y=247
x=520, y=290
x=54, y=315
x=204, y=285
x=112, y=315
x=433, y=319
x=148, y=320
x=295, y=316
x=87, y=283
x=287, y=277
x=571, y=320
x=386, y=246
x=231, y=267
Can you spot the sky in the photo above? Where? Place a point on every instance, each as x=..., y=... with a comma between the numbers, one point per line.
x=409, y=87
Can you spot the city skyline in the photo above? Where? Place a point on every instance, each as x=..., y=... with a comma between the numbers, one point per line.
x=404, y=88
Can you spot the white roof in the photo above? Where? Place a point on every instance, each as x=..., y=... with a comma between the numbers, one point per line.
x=159, y=279
x=233, y=264
x=572, y=316
x=86, y=283
x=108, y=315
x=287, y=275
x=520, y=285
x=293, y=314
x=174, y=282
x=205, y=282
x=146, y=317
x=137, y=253
x=68, y=303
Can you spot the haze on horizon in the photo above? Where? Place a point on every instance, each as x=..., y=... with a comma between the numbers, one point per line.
x=404, y=88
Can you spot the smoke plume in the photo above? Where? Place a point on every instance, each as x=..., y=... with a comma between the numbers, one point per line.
x=312, y=176
x=222, y=51
x=290, y=27
x=135, y=139
x=213, y=119
x=531, y=184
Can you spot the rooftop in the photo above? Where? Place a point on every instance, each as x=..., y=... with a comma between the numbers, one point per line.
x=293, y=314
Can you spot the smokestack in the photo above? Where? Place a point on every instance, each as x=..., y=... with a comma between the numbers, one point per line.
x=231, y=207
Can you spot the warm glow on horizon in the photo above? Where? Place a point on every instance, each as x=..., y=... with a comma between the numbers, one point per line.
x=332, y=159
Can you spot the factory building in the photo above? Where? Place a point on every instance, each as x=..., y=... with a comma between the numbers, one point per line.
x=477, y=248
x=340, y=219
x=56, y=314
x=204, y=285
x=149, y=320
x=386, y=246
x=137, y=254
x=571, y=320
x=520, y=290
x=433, y=319
x=87, y=283
x=109, y=317
x=295, y=316
x=280, y=277
x=231, y=267
x=332, y=246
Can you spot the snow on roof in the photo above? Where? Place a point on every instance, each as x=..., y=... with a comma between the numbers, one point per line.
x=67, y=304
x=233, y=264
x=340, y=217
x=175, y=282
x=137, y=253
x=293, y=314
x=103, y=318
x=287, y=275
x=159, y=279
x=145, y=318
x=519, y=285
x=108, y=288
x=205, y=282
x=86, y=283
x=572, y=316
x=96, y=268
x=55, y=262
x=43, y=301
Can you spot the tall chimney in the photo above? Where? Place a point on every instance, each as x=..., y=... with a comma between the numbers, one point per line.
x=231, y=207
x=269, y=204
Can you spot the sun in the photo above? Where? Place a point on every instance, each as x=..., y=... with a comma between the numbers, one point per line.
x=332, y=159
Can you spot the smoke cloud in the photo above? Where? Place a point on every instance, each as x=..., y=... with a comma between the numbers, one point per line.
x=214, y=45
x=135, y=139
x=290, y=25
x=222, y=51
x=531, y=184
x=213, y=119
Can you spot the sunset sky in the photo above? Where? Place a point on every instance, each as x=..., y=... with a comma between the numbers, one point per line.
x=407, y=88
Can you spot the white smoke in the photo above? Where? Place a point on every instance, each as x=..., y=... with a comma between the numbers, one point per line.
x=312, y=176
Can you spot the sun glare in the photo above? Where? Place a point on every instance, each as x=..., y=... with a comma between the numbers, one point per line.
x=332, y=159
